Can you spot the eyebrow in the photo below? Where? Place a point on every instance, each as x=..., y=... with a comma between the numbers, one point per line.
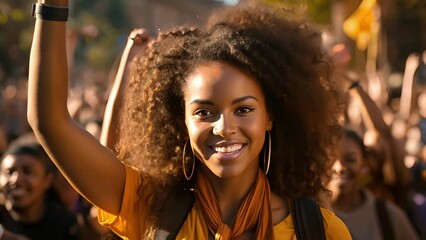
x=243, y=99
x=207, y=102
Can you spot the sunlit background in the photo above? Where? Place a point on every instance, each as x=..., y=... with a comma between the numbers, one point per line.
x=98, y=29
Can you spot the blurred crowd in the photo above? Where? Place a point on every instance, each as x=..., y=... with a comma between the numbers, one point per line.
x=382, y=153
x=26, y=185
x=387, y=111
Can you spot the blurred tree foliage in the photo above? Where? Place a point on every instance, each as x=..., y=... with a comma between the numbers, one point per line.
x=100, y=27
x=16, y=27
x=318, y=11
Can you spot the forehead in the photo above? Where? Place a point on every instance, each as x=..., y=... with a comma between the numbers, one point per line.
x=349, y=145
x=217, y=79
x=20, y=160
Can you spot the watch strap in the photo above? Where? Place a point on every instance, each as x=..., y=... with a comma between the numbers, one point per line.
x=47, y=12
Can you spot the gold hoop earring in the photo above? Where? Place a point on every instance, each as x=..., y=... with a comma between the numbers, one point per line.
x=267, y=159
x=183, y=162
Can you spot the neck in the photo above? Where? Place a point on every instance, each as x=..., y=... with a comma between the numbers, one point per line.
x=348, y=202
x=28, y=215
x=230, y=192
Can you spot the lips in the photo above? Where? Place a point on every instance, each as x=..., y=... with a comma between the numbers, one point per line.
x=343, y=177
x=228, y=152
x=228, y=149
x=17, y=192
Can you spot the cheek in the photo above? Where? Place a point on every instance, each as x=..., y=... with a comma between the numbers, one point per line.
x=193, y=129
x=197, y=132
x=41, y=182
x=3, y=180
x=256, y=129
x=257, y=136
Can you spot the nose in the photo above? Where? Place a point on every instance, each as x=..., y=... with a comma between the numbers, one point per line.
x=338, y=167
x=224, y=126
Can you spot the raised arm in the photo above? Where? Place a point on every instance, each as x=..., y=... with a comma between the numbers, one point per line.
x=411, y=66
x=373, y=119
x=136, y=42
x=87, y=164
x=371, y=114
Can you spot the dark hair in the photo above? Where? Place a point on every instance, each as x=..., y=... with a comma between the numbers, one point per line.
x=284, y=56
x=354, y=136
x=33, y=149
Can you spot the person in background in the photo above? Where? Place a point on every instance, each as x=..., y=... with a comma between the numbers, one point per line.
x=29, y=209
x=365, y=216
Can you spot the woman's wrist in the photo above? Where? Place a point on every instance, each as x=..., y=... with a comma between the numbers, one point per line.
x=58, y=3
x=50, y=12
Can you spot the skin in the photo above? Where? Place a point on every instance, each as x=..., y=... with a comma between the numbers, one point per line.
x=93, y=164
x=227, y=120
x=224, y=108
x=24, y=181
x=347, y=169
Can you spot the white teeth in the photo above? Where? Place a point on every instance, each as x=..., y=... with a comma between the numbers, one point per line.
x=229, y=149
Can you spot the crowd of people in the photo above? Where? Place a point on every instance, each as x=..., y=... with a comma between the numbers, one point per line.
x=251, y=111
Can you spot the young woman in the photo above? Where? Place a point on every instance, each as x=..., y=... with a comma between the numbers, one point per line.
x=242, y=111
x=355, y=205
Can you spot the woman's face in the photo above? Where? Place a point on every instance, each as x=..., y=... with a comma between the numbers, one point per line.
x=347, y=168
x=24, y=181
x=226, y=117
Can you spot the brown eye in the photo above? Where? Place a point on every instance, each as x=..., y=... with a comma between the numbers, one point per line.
x=202, y=112
x=245, y=109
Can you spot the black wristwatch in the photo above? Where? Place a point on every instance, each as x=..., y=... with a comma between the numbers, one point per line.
x=48, y=12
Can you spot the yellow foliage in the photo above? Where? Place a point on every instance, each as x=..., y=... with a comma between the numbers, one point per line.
x=359, y=25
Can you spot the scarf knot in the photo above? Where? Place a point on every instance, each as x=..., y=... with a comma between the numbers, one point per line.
x=254, y=212
x=223, y=232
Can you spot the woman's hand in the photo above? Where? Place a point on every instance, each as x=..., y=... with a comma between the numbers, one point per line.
x=136, y=43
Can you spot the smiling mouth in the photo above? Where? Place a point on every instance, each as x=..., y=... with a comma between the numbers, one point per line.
x=229, y=149
x=17, y=192
x=342, y=176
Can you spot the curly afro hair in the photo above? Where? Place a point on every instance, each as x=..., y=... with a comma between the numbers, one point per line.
x=282, y=54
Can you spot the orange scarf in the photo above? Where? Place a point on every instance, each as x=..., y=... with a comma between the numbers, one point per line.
x=255, y=211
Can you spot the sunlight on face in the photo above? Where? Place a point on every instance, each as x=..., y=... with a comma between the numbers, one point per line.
x=347, y=169
x=24, y=181
x=226, y=117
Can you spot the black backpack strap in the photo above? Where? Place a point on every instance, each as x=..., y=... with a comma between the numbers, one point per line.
x=384, y=220
x=307, y=218
x=173, y=214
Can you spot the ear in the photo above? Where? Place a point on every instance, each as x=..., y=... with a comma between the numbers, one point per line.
x=269, y=122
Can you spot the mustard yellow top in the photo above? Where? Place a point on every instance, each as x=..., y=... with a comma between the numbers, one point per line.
x=130, y=222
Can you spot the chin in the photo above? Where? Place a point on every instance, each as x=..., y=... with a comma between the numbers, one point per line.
x=225, y=172
x=346, y=188
x=19, y=207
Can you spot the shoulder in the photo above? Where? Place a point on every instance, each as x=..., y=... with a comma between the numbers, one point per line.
x=400, y=220
x=136, y=202
x=394, y=210
x=334, y=226
x=396, y=213
x=279, y=209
